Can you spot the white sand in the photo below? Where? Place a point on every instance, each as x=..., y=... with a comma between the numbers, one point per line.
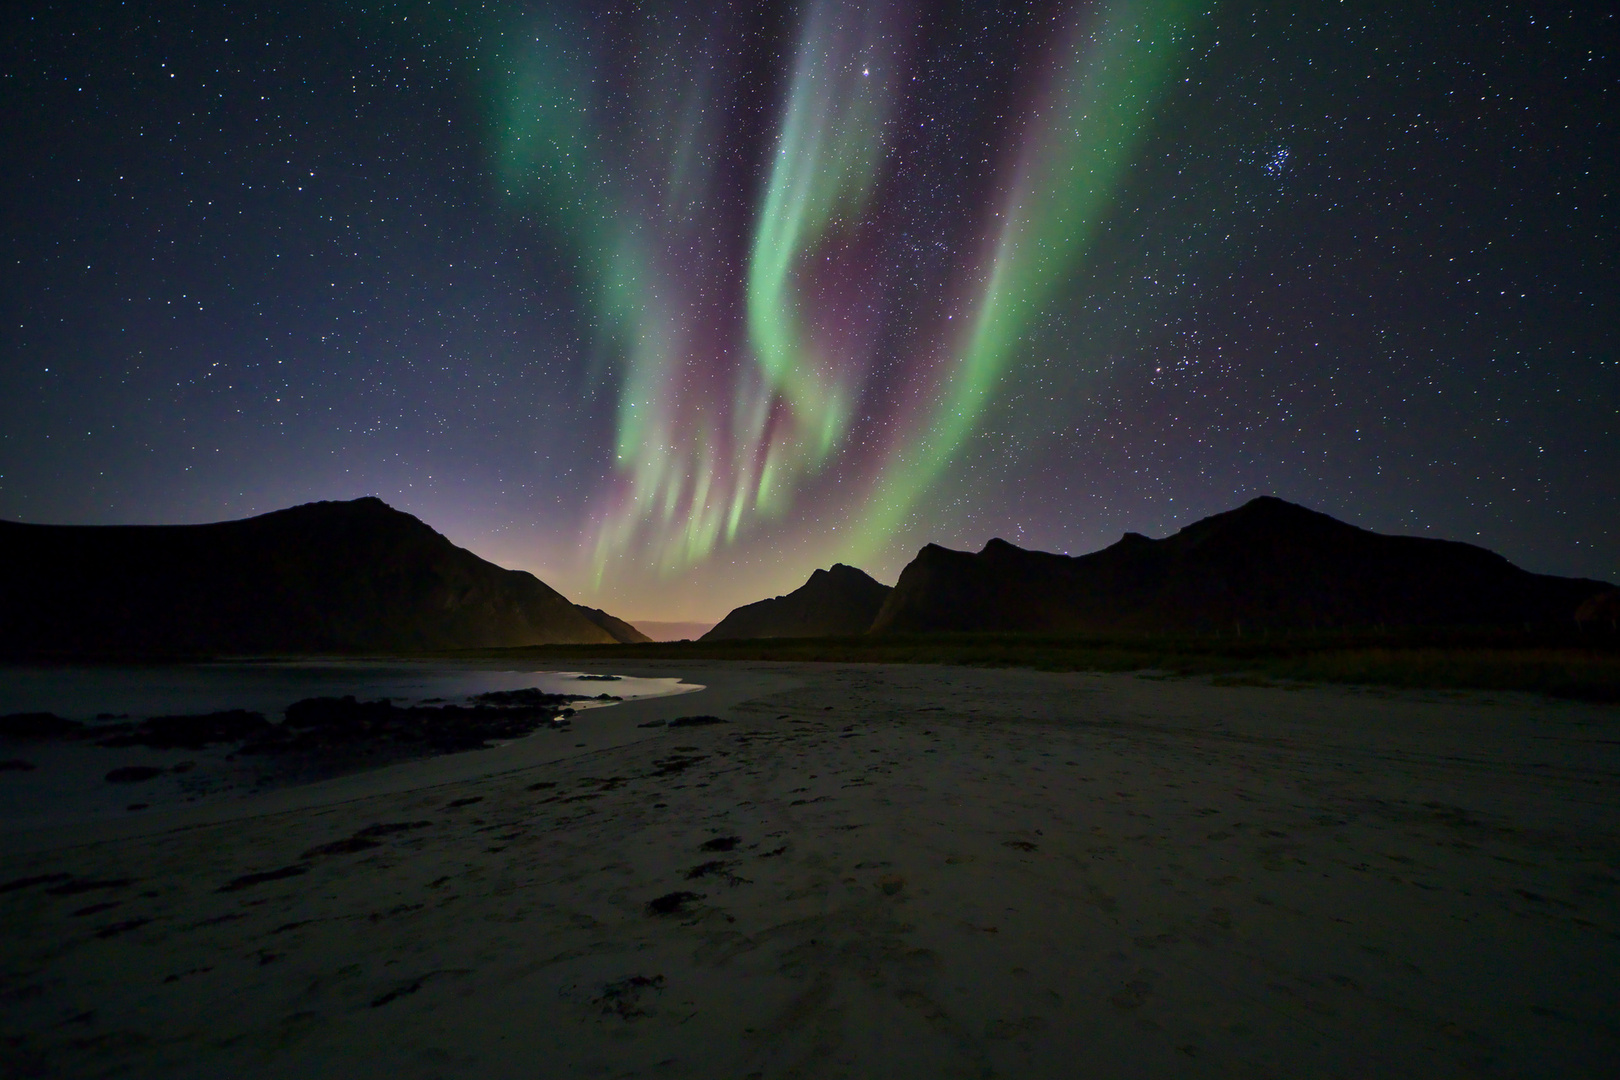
x=939, y=872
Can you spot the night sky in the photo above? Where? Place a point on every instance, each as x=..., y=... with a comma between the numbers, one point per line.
x=672, y=304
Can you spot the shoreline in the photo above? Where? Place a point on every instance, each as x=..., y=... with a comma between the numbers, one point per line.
x=603, y=726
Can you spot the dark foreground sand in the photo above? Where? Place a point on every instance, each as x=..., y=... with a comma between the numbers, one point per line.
x=895, y=872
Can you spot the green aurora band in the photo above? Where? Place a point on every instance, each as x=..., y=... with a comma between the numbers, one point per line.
x=822, y=176
x=1080, y=144
x=721, y=424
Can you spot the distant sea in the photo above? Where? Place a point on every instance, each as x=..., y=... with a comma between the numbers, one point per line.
x=674, y=631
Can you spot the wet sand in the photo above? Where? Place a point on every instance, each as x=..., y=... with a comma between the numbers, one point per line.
x=868, y=871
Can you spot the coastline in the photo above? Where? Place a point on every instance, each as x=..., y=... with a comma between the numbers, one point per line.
x=603, y=728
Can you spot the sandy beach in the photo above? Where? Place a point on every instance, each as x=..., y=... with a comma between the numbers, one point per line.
x=886, y=871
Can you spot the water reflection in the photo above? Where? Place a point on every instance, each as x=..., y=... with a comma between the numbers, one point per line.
x=87, y=692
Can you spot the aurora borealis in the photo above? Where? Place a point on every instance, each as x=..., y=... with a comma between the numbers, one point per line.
x=673, y=303
x=721, y=420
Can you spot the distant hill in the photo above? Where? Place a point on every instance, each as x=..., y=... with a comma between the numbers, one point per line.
x=621, y=631
x=1269, y=564
x=673, y=631
x=833, y=602
x=327, y=577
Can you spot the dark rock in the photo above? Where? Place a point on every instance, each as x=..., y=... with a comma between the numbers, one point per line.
x=344, y=725
x=192, y=732
x=695, y=721
x=716, y=866
x=672, y=903
x=38, y=725
x=17, y=765
x=838, y=602
x=720, y=843
x=533, y=697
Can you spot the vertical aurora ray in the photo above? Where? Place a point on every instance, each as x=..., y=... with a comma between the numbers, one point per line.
x=738, y=329
x=694, y=474
x=622, y=171
x=1078, y=145
x=822, y=175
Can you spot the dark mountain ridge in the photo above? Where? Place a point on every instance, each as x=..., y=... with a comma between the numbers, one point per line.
x=620, y=630
x=325, y=577
x=1267, y=565
x=832, y=603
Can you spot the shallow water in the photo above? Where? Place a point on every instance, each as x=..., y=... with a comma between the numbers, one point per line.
x=86, y=692
x=46, y=782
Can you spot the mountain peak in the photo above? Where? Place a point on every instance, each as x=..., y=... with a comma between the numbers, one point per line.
x=840, y=601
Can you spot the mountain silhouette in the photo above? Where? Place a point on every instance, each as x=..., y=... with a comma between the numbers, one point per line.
x=326, y=577
x=832, y=603
x=1267, y=565
x=621, y=631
